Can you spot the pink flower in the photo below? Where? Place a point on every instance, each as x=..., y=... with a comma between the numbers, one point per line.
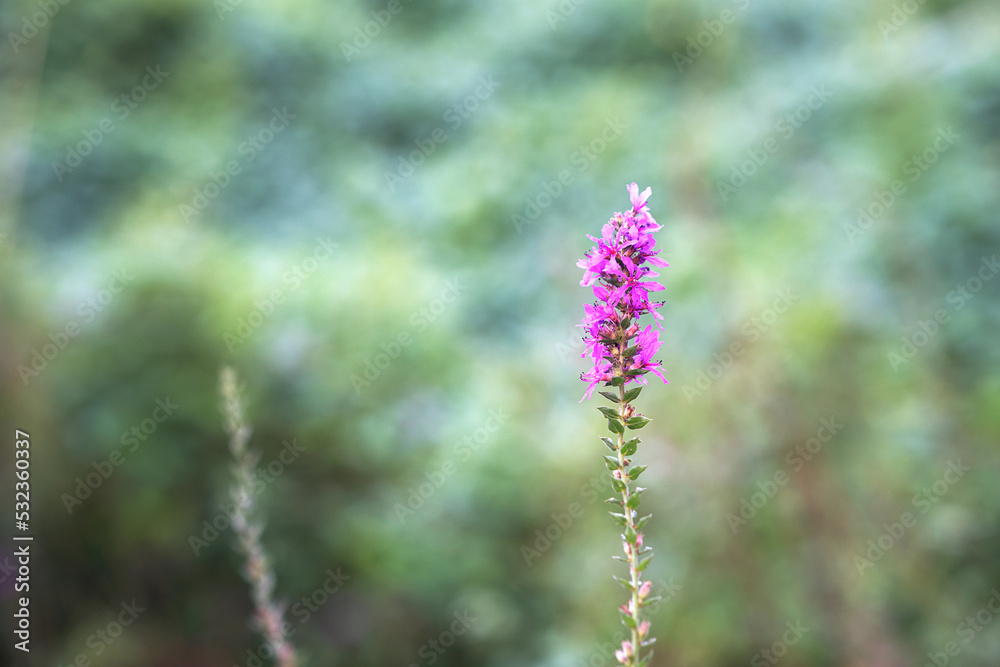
x=624, y=654
x=618, y=270
x=638, y=201
x=644, y=590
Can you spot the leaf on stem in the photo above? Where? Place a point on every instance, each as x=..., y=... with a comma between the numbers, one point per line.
x=632, y=394
x=625, y=583
x=635, y=423
x=634, y=473
x=628, y=620
x=609, y=412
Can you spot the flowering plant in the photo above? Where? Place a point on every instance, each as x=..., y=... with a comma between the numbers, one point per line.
x=618, y=269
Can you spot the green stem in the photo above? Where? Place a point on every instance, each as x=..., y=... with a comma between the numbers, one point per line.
x=633, y=555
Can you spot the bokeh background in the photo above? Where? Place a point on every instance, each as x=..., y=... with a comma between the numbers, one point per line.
x=373, y=210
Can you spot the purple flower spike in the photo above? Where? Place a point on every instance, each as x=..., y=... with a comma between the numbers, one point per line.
x=618, y=269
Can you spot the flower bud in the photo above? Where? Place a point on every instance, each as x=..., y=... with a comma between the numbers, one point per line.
x=644, y=590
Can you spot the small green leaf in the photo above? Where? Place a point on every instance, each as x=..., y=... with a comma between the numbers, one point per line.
x=628, y=449
x=633, y=502
x=620, y=519
x=643, y=563
x=609, y=442
x=629, y=535
x=634, y=473
x=615, y=426
x=608, y=395
x=630, y=352
x=610, y=413
x=626, y=323
x=617, y=382
x=632, y=394
x=628, y=620
x=645, y=661
x=636, y=423
x=642, y=522
x=625, y=583
x=617, y=485
x=611, y=462
x=614, y=501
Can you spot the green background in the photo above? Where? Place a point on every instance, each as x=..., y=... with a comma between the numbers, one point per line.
x=782, y=310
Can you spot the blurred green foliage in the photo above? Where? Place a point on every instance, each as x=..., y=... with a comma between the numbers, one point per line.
x=451, y=298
